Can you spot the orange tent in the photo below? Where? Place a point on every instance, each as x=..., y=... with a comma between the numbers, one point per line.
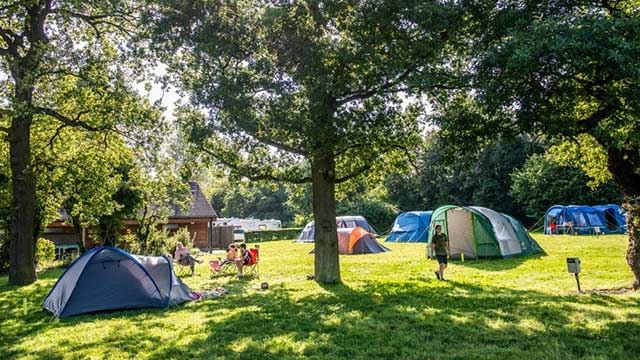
x=358, y=241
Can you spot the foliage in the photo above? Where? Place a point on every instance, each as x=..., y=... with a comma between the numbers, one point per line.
x=272, y=235
x=390, y=306
x=544, y=182
x=558, y=69
x=259, y=200
x=160, y=197
x=480, y=178
x=184, y=237
x=45, y=251
x=585, y=153
x=304, y=91
x=379, y=213
x=63, y=67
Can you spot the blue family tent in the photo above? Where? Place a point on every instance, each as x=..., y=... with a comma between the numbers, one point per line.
x=412, y=226
x=584, y=220
x=107, y=278
x=614, y=217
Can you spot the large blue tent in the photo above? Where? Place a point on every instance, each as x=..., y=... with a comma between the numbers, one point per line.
x=584, y=220
x=614, y=217
x=107, y=278
x=412, y=226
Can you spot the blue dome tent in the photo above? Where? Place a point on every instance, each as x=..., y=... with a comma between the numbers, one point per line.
x=579, y=220
x=412, y=226
x=107, y=278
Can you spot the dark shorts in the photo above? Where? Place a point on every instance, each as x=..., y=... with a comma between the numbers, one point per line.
x=442, y=259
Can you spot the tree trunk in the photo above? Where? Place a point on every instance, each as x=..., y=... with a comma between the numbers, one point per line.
x=21, y=251
x=327, y=264
x=632, y=205
x=624, y=166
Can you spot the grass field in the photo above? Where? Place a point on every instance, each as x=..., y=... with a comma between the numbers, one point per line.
x=390, y=306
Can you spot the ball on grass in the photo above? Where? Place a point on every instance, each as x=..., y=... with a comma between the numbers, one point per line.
x=264, y=285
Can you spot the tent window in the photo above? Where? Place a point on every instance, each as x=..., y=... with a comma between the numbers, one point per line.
x=610, y=219
x=594, y=219
x=581, y=221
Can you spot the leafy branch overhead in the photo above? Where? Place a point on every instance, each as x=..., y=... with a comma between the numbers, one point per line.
x=295, y=81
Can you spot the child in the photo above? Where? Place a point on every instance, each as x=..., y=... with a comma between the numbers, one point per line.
x=244, y=259
x=232, y=254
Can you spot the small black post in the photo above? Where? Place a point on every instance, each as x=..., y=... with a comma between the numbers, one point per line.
x=578, y=282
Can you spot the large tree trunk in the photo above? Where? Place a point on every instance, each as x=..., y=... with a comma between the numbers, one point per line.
x=632, y=205
x=624, y=165
x=21, y=251
x=327, y=264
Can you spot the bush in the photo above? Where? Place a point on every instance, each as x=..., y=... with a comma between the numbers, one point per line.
x=159, y=242
x=271, y=235
x=45, y=251
x=184, y=237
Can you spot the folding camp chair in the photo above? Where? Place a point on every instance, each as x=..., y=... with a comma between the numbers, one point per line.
x=252, y=268
x=183, y=268
x=222, y=267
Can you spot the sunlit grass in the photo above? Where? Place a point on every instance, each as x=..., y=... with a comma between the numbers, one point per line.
x=390, y=306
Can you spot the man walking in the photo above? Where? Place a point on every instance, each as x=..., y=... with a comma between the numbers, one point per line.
x=440, y=246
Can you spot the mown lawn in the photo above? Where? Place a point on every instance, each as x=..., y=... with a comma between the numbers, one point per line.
x=390, y=306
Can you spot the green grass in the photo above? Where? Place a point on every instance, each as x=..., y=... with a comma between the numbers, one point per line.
x=390, y=306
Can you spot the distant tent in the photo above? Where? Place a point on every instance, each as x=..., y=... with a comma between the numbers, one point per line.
x=108, y=278
x=479, y=232
x=584, y=220
x=412, y=226
x=357, y=240
x=342, y=222
x=614, y=217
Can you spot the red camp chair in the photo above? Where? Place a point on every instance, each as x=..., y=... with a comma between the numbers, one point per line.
x=252, y=268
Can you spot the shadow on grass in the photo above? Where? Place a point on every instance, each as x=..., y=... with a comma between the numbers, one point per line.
x=380, y=320
x=498, y=264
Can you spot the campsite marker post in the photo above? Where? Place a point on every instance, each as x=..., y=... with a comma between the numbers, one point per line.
x=573, y=267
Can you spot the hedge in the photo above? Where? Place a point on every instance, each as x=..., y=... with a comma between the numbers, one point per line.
x=271, y=235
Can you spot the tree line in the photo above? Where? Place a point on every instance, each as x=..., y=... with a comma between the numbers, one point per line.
x=522, y=177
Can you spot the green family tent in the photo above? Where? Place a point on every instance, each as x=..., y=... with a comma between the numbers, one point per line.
x=479, y=232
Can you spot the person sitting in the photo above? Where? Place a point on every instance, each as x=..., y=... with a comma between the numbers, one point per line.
x=184, y=258
x=232, y=254
x=553, y=226
x=243, y=259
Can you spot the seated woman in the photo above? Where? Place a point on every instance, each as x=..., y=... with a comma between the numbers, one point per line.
x=183, y=257
x=244, y=259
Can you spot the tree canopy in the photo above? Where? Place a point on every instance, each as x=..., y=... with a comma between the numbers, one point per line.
x=305, y=91
x=63, y=65
x=561, y=70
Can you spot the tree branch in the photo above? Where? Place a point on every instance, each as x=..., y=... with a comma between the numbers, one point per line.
x=101, y=19
x=592, y=121
x=56, y=134
x=365, y=94
x=67, y=121
x=252, y=174
x=280, y=146
x=353, y=174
